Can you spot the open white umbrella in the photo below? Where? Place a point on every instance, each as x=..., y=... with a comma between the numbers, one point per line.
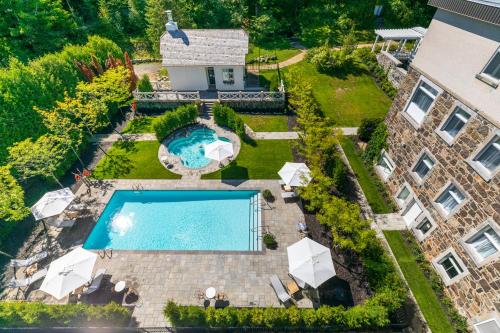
x=69, y=272
x=295, y=174
x=52, y=203
x=310, y=262
x=219, y=150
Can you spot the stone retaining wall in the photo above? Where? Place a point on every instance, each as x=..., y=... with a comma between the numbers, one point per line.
x=478, y=292
x=395, y=73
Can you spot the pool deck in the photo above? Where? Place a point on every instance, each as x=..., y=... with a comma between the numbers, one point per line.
x=162, y=275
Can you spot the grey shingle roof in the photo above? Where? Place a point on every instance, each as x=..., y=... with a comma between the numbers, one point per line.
x=204, y=47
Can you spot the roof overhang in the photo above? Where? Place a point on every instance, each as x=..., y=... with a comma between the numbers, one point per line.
x=483, y=10
x=398, y=34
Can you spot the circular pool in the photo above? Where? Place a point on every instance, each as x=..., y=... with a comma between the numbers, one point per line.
x=190, y=146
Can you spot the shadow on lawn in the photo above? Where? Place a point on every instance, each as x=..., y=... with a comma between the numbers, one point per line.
x=234, y=171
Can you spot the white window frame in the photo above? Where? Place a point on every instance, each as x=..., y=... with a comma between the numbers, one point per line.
x=437, y=205
x=486, y=174
x=491, y=317
x=420, y=220
x=439, y=268
x=403, y=204
x=443, y=134
x=469, y=248
x=405, y=113
x=486, y=78
x=230, y=73
x=415, y=175
x=378, y=168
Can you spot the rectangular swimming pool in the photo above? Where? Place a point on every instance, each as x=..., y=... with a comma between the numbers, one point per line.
x=206, y=220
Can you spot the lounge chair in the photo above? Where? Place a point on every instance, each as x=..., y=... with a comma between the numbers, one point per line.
x=61, y=221
x=279, y=289
x=25, y=283
x=29, y=261
x=96, y=282
x=288, y=195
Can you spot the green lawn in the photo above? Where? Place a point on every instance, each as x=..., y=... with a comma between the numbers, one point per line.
x=280, y=47
x=133, y=160
x=419, y=285
x=261, y=159
x=142, y=124
x=266, y=123
x=346, y=98
x=366, y=180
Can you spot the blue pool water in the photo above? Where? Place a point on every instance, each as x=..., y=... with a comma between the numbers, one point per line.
x=191, y=149
x=178, y=220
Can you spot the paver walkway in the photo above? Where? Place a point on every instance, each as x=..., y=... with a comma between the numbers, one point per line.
x=290, y=135
x=113, y=137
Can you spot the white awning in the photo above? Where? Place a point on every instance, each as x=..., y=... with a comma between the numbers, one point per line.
x=398, y=34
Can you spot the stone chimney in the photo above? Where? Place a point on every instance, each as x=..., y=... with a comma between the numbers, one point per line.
x=171, y=25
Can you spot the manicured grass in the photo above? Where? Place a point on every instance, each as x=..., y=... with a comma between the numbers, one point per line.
x=139, y=125
x=266, y=123
x=261, y=159
x=281, y=48
x=133, y=160
x=345, y=97
x=419, y=285
x=366, y=180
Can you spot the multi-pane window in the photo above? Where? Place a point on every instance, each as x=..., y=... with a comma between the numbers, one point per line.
x=228, y=76
x=485, y=243
x=424, y=226
x=423, y=166
x=488, y=326
x=403, y=195
x=492, y=70
x=450, y=266
x=421, y=101
x=385, y=165
x=455, y=122
x=450, y=199
x=488, y=159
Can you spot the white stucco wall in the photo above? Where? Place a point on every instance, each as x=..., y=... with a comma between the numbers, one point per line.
x=195, y=78
x=455, y=49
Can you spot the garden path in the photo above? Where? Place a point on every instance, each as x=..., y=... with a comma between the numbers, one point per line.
x=113, y=137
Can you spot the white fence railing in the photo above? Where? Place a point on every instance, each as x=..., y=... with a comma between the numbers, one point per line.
x=240, y=96
x=163, y=95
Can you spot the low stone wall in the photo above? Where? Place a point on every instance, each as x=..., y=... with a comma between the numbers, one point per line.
x=395, y=73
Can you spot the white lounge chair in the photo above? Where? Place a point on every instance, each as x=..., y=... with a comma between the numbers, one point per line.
x=61, y=221
x=28, y=261
x=24, y=283
x=288, y=195
x=279, y=289
x=96, y=282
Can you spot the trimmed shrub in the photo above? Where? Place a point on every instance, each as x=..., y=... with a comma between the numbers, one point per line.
x=367, y=127
x=270, y=240
x=327, y=60
x=227, y=117
x=375, y=145
x=37, y=314
x=144, y=84
x=172, y=120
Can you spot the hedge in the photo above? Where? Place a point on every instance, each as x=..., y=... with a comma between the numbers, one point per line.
x=172, y=120
x=378, y=141
x=227, y=117
x=38, y=314
x=337, y=318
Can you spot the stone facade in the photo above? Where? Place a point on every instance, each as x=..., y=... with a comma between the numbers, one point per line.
x=477, y=293
x=395, y=73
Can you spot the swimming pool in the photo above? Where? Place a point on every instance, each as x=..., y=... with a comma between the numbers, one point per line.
x=214, y=220
x=191, y=148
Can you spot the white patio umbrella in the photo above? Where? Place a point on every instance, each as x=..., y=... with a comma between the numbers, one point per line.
x=219, y=150
x=295, y=174
x=52, y=203
x=310, y=262
x=69, y=272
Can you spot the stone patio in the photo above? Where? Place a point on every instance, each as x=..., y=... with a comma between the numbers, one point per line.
x=162, y=275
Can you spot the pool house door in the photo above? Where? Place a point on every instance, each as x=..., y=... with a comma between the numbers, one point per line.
x=211, y=78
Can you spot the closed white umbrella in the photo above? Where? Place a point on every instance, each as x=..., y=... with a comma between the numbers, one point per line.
x=69, y=272
x=52, y=203
x=219, y=150
x=310, y=262
x=295, y=174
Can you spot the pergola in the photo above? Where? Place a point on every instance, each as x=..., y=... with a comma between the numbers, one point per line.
x=400, y=35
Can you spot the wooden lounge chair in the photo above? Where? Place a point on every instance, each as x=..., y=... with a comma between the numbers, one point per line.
x=96, y=282
x=61, y=221
x=299, y=282
x=28, y=261
x=24, y=284
x=279, y=289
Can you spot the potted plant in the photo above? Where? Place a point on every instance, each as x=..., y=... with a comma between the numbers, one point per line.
x=270, y=241
x=268, y=195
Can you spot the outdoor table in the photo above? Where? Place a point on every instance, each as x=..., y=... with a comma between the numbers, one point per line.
x=210, y=292
x=120, y=286
x=32, y=269
x=292, y=287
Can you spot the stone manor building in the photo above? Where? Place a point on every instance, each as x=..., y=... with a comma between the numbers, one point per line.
x=443, y=154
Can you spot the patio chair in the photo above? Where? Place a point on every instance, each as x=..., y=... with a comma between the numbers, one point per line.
x=61, y=221
x=28, y=261
x=288, y=195
x=27, y=282
x=299, y=282
x=96, y=282
x=279, y=289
